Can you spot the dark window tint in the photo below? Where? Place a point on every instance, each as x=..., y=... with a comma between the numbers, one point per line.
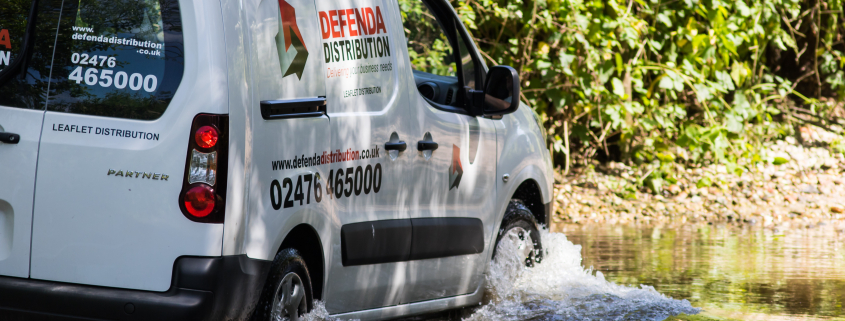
x=467, y=64
x=26, y=49
x=117, y=58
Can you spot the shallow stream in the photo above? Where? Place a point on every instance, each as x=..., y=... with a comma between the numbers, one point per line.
x=729, y=272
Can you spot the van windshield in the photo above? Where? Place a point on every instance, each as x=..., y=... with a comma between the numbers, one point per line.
x=117, y=58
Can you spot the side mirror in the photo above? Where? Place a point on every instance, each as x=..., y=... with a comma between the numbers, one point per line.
x=501, y=91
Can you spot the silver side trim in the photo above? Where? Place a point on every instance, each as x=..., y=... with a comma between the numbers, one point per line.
x=416, y=308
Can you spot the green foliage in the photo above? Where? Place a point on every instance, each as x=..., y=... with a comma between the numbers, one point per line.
x=662, y=81
x=428, y=47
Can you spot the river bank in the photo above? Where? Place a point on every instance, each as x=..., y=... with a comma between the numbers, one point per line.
x=803, y=187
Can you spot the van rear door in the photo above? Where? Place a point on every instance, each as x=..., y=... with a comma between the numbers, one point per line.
x=17, y=184
x=115, y=140
x=23, y=67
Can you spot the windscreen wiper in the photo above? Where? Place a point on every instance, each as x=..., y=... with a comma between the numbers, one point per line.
x=19, y=64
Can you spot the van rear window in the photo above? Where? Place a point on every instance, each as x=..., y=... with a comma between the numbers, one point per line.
x=117, y=58
x=13, y=19
x=25, y=65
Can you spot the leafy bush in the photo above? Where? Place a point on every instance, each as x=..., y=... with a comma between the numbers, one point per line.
x=657, y=82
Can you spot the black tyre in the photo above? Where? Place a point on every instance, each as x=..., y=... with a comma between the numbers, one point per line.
x=520, y=226
x=287, y=294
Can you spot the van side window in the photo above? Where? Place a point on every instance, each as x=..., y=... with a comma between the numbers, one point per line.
x=435, y=47
x=467, y=64
x=117, y=58
x=24, y=71
x=429, y=49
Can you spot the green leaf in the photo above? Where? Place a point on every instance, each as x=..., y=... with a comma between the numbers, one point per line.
x=787, y=39
x=605, y=71
x=699, y=41
x=662, y=17
x=729, y=44
x=618, y=88
x=725, y=80
x=666, y=157
x=655, y=45
x=655, y=184
x=619, y=67
x=780, y=161
x=738, y=73
x=734, y=123
x=704, y=182
x=742, y=8
x=719, y=146
x=543, y=64
x=679, y=82
x=666, y=83
x=742, y=107
x=702, y=92
x=565, y=60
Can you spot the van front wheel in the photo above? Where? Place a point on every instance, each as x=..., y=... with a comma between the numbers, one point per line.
x=287, y=293
x=520, y=227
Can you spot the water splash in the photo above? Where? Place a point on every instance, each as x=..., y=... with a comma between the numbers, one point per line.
x=557, y=289
x=319, y=313
x=561, y=289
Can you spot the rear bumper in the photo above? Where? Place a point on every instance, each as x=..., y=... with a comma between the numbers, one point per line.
x=202, y=288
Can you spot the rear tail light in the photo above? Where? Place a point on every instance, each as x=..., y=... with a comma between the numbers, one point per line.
x=203, y=196
x=206, y=136
x=199, y=200
x=203, y=167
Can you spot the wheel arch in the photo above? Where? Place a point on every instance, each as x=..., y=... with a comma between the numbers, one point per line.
x=531, y=195
x=305, y=239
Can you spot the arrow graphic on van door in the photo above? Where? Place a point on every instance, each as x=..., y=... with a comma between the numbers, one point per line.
x=456, y=170
x=289, y=42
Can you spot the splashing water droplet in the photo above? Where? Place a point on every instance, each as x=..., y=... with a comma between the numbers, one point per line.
x=319, y=313
x=561, y=289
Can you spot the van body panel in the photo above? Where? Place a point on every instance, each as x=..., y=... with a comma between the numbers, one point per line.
x=117, y=231
x=523, y=156
x=467, y=145
x=284, y=155
x=367, y=105
x=17, y=188
x=241, y=103
x=521, y=148
x=454, y=181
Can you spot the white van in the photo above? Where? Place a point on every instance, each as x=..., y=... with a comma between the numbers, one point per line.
x=231, y=160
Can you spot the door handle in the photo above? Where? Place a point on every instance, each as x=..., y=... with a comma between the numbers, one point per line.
x=426, y=145
x=9, y=138
x=400, y=146
x=293, y=108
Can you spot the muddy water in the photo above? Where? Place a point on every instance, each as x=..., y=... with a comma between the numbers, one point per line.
x=729, y=272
